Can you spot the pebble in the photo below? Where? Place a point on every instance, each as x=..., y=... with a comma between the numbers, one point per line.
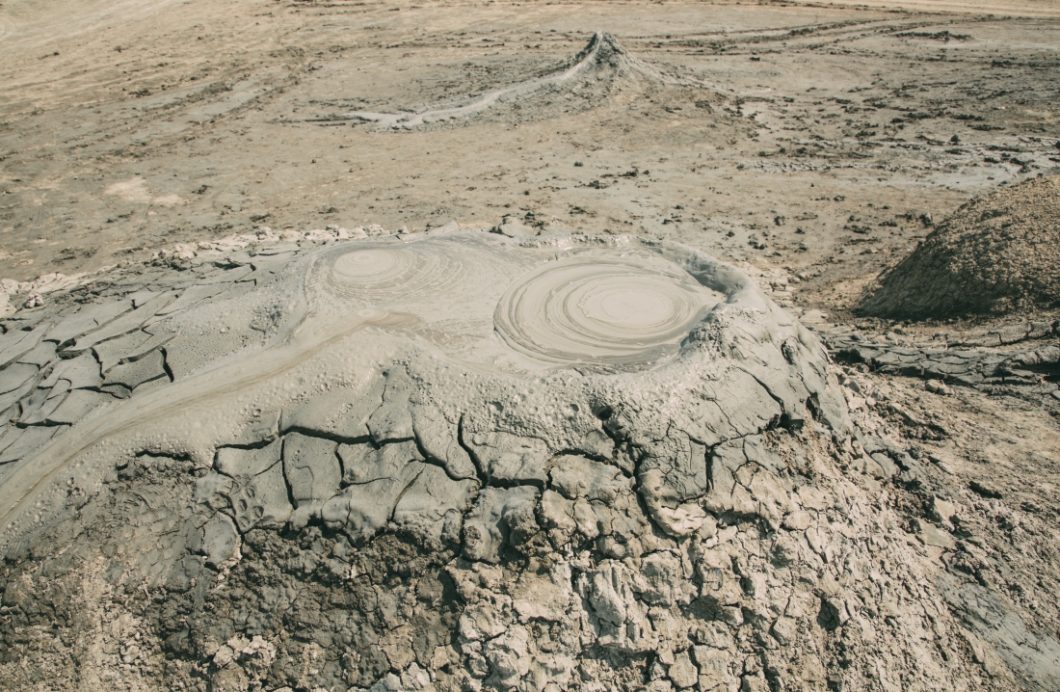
x=937, y=387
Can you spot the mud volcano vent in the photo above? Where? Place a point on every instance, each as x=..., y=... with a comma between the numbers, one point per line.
x=451, y=460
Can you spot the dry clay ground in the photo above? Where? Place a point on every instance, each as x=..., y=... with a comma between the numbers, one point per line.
x=819, y=144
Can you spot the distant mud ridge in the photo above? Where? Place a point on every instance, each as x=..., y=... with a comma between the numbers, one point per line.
x=585, y=81
x=996, y=254
x=446, y=461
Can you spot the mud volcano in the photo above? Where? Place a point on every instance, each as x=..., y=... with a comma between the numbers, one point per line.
x=602, y=68
x=445, y=460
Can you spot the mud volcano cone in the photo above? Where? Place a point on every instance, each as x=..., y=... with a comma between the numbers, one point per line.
x=585, y=81
x=994, y=255
x=443, y=461
x=604, y=53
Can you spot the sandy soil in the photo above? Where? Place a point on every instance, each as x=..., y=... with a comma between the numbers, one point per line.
x=810, y=144
x=130, y=125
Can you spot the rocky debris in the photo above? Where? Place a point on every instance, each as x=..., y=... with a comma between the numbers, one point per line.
x=995, y=254
x=363, y=484
x=514, y=227
x=965, y=495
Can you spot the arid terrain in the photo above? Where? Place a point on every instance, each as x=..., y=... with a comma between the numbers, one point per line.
x=520, y=345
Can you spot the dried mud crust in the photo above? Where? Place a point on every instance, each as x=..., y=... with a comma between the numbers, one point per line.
x=1021, y=358
x=994, y=255
x=121, y=133
x=381, y=492
x=962, y=458
x=115, y=153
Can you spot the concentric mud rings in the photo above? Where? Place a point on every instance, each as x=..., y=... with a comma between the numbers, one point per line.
x=389, y=274
x=593, y=309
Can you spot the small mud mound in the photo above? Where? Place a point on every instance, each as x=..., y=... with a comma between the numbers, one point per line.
x=583, y=82
x=996, y=254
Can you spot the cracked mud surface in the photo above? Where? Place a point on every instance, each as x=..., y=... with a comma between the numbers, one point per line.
x=383, y=422
x=349, y=485
x=615, y=427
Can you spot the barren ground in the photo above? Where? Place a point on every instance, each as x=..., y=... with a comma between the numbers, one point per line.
x=810, y=144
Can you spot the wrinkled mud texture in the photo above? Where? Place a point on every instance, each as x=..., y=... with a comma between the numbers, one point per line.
x=1022, y=358
x=278, y=465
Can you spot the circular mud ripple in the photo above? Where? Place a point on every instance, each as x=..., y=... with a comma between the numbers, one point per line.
x=390, y=273
x=608, y=311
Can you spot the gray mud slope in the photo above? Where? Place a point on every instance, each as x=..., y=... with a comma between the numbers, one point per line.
x=554, y=462
x=994, y=255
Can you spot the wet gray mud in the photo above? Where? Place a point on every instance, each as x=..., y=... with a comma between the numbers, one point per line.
x=451, y=460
